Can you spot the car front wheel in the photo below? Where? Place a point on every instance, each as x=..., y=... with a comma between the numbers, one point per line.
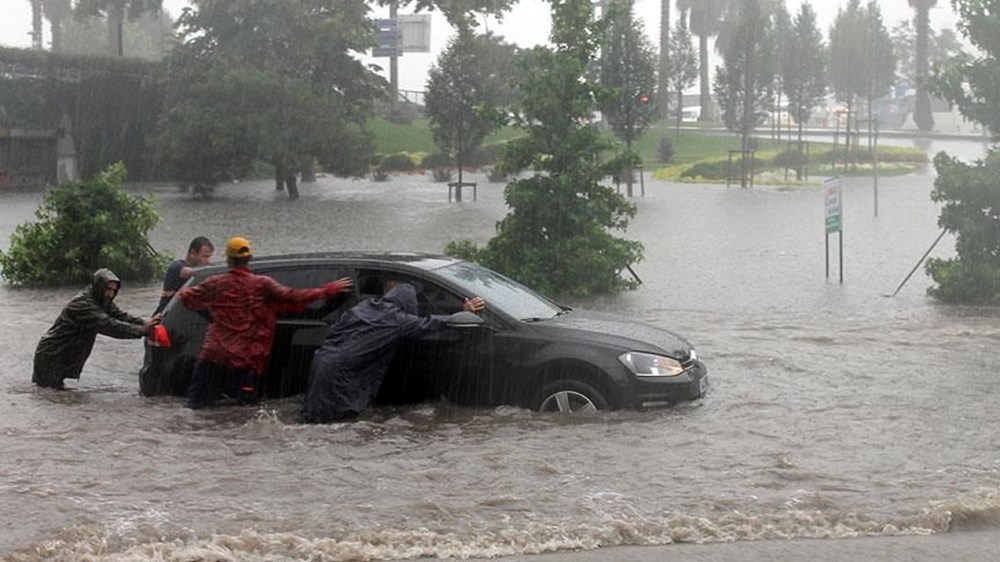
x=570, y=397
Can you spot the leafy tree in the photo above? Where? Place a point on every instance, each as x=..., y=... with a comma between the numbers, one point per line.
x=82, y=227
x=848, y=40
x=465, y=91
x=970, y=80
x=862, y=61
x=458, y=12
x=744, y=83
x=115, y=12
x=971, y=209
x=971, y=193
x=781, y=34
x=879, y=63
x=628, y=74
x=683, y=67
x=557, y=236
x=803, y=68
x=278, y=82
x=922, y=111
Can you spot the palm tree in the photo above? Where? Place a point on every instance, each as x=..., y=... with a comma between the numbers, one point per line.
x=922, y=111
x=705, y=20
x=115, y=12
x=56, y=11
x=663, y=83
x=36, y=24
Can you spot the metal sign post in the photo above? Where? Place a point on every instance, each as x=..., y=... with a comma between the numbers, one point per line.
x=875, y=163
x=833, y=195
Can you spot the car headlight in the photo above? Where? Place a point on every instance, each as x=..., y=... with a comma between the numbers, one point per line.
x=649, y=365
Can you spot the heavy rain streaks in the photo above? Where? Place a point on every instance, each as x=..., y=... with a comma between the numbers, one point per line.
x=827, y=414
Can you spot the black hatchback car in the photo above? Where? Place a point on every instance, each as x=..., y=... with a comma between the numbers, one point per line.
x=524, y=350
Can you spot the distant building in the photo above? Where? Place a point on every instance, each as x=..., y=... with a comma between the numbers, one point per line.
x=28, y=158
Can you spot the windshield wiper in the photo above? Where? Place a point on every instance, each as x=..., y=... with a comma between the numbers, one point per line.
x=530, y=319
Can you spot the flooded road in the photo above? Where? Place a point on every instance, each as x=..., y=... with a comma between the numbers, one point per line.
x=833, y=411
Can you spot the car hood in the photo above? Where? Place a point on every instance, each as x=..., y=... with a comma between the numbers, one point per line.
x=617, y=332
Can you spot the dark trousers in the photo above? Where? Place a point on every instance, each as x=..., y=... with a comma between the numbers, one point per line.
x=212, y=381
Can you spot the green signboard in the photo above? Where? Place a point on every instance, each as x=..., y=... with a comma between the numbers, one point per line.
x=834, y=205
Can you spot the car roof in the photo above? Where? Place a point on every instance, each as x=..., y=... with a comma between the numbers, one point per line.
x=419, y=260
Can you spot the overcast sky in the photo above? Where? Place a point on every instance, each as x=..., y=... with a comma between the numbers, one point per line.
x=526, y=25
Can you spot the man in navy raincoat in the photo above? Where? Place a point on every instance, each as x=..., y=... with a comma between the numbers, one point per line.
x=348, y=369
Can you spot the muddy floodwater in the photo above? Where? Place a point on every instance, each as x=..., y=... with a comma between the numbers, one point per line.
x=833, y=409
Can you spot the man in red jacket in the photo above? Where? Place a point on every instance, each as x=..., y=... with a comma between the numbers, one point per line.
x=243, y=308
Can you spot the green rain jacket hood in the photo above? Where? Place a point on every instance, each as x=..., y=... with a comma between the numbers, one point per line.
x=100, y=282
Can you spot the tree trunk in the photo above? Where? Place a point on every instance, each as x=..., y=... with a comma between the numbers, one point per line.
x=308, y=171
x=800, y=159
x=847, y=135
x=663, y=87
x=680, y=110
x=747, y=124
x=628, y=170
x=293, y=186
x=36, y=25
x=706, y=99
x=56, y=11
x=279, y=177
x=922, y=114
x=116, y=23
x=458, y=186
x=55, y=25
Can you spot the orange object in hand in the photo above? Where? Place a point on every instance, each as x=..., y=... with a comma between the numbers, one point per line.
x=159, y=336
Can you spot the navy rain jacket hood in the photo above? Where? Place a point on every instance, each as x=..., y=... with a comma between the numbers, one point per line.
x=349, y=368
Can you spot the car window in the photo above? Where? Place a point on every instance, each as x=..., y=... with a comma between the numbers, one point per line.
x=439, y=300
x=307, y=278
x=431, y=298
x=500, y=292
x=300, y=277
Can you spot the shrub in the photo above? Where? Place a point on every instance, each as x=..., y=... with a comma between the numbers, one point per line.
x=496, y=174
x=436, y=160
x=666, y=151
x=968, y=194
x=380, y=174
x=399, y=162
x=791, y=159
x=489, y=154
x=441, y=174
x=81, y=228
x=718, y=169
x=463, y=249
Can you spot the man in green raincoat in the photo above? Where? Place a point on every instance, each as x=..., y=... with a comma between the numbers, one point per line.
x=63, y=350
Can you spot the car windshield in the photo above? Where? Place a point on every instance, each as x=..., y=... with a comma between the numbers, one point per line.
x=500, y=292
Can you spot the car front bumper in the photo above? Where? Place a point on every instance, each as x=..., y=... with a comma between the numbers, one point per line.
x=659, y=392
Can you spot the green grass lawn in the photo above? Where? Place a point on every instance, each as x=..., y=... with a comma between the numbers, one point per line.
x=697, y=156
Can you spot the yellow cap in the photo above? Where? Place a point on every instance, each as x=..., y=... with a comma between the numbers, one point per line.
x=238, y=247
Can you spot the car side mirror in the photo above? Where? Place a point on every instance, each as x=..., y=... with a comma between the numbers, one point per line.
x=464, y=319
